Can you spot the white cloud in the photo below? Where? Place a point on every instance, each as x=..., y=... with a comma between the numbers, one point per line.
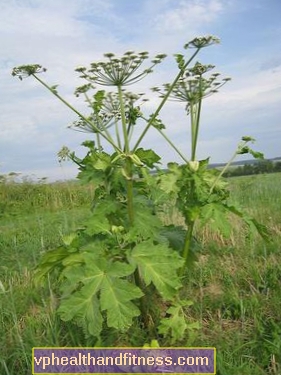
x=189, y=15
x=62, y=34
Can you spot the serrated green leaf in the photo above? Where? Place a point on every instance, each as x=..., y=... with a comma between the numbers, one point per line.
x=116, y=296
x=175, y=236
x=180, y=60
x=176, y=324
x=50, y=260
x=256, y=154
x=146, y=224
x=168, y=181
x=120, y=269
x=158, y=264
x=147, y=157
x=99, y=222
x=103, y=162
x=91, y=273
x=73, y=259
x=216, y=216
x=83, y=306
x=102, y=283
x=89, y=174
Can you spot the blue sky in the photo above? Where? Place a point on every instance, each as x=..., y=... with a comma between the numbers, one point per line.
x=64, y=34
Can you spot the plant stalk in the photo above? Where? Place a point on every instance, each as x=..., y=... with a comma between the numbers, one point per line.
x=123, y=120
x=156, y=113
x=170, y=143
x=130, y=203
x=226, y=167
x=197, y=122
x=187, y=245
x=78, y=113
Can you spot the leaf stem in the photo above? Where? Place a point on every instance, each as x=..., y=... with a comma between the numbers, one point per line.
x=170, y=142
x=226, y=167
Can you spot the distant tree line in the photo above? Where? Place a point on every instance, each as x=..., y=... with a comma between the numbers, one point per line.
x=261, y=167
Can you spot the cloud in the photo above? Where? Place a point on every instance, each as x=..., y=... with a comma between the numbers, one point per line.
x=62, y=34
x=273, y=62
x=188, y=15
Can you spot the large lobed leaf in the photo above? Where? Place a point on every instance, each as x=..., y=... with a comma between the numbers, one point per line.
x=103, y=290
x=158, y=264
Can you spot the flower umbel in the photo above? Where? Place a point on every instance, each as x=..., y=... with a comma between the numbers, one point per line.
x=106, y=111
x=202, y=41
x=119, y=71
x=24, y=71
x=193, y=86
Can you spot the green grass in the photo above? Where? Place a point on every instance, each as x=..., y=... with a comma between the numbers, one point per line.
x=235, y=285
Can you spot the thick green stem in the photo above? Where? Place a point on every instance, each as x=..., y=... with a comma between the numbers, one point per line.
x=54, y=92
x=197, y=122
x=130, y=196
x=123, y=120
x=193, y=130
x=98, y=141
x=130, y=205
x=117, y=134
x=156, y=113
x=187, y=245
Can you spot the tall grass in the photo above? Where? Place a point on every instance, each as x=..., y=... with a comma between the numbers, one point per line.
x=235, y=284
x=16, y=198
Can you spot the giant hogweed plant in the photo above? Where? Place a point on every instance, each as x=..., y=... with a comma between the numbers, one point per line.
x=124, y=265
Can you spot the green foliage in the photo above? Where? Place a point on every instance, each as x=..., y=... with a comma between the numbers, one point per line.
x=123, y=260
x=103, y=289
x=157, y=264
x=176, y=323
x=235, y=286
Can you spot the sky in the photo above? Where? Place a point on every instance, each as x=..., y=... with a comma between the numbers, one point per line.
x=64, y=34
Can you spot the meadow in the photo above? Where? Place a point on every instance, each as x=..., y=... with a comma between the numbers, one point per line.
x=235, y=284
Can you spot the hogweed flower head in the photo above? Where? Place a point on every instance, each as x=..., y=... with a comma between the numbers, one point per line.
x=106, y=111
x=193, y=87
x=83, y=89
x=119, y=71
x=24, y=71
x=202, y=41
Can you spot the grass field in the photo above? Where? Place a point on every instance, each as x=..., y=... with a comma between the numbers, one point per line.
x=235, y=285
